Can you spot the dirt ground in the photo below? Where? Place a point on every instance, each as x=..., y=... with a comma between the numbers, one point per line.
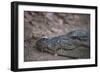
x=49, y=24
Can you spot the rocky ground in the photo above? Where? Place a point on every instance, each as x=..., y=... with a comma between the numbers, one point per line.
x=50, y=24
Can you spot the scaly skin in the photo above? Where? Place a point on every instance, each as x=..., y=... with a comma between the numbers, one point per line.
x=69, y=41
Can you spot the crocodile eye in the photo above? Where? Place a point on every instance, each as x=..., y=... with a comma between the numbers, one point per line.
x=49, y=46
x=58, y=41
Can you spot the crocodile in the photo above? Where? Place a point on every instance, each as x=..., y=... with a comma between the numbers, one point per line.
x=69, y=41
